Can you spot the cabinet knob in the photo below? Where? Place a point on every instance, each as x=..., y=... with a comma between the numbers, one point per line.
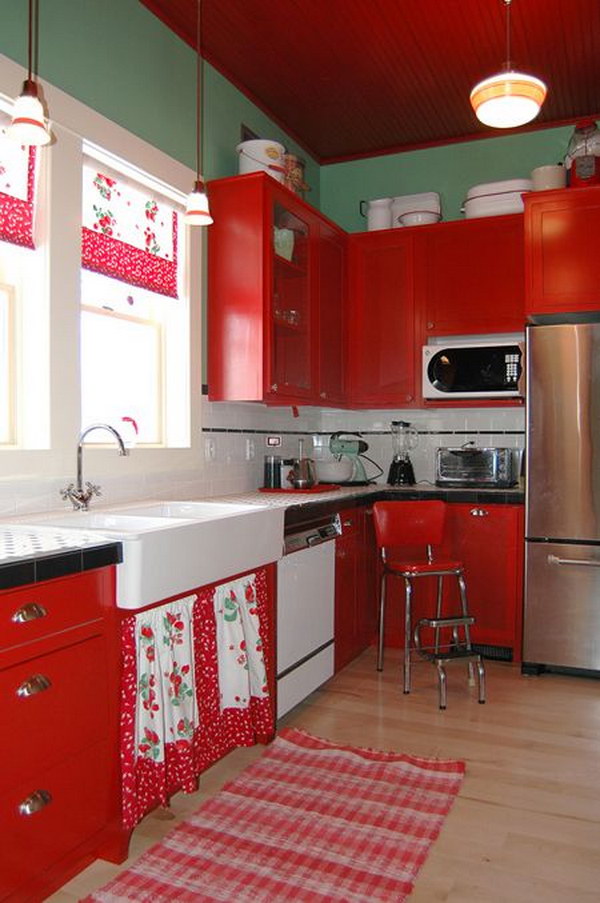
x=430, y=325
x=409, y=397
x=38, y=800
x=274, y=387
x=35, y=684
x=30, y=612
x=322, y=394
x=478, y=512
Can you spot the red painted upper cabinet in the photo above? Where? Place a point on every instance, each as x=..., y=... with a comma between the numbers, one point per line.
x=332, y=319
x=270, y=257
x=381, y=347
x=470, y=276
x=561, y=250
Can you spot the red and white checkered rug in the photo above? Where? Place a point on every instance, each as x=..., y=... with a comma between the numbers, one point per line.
x=309, y=821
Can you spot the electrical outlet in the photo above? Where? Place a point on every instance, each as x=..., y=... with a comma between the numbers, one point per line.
x=250, y=450
x=210, y=450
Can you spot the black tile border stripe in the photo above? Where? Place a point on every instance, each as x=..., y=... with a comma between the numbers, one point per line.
x=306, y=432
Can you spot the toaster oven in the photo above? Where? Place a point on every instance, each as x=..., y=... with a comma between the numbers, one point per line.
x=483, y=468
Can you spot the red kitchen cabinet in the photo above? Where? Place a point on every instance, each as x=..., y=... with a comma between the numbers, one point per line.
x=562, y=264
x=332, y=319
x=470, y=277
x=489, y=539
x=59, y=692
x=354, y=605
x=271, y=257
x=381, y=349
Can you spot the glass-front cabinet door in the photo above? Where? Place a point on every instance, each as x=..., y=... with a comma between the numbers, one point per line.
x=291, y=346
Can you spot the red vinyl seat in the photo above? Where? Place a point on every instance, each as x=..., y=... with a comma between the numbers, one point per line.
x=406, y=525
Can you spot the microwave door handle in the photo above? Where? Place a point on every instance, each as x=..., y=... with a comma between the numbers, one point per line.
x=522, y=381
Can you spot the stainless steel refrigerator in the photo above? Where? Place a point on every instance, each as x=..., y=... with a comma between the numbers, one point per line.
x=562, y=555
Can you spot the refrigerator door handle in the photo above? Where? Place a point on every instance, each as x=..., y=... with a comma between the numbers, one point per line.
x=586, y=562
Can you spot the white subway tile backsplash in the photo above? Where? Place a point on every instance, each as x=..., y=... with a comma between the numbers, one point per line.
x=229, y=426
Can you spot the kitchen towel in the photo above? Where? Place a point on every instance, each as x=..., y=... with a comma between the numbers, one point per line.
x=310, y=820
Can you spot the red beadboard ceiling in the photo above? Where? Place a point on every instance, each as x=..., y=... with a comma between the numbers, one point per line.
x=351, y=78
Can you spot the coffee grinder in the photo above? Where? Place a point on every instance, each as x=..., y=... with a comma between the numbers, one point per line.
x=404, y=439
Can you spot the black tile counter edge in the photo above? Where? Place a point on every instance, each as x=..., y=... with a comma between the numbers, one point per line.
x=296, y=514
x=52, y=565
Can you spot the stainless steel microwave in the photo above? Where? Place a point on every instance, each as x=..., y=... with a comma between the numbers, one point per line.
x=473, y=370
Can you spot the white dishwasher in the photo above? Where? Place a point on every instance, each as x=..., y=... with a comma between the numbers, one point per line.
x=305, y=611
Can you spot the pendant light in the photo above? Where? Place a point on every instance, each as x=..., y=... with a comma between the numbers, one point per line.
x=28, y=124
x=197, y=212
x=508, y=99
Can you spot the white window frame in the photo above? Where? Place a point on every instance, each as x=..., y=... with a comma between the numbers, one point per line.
x=73, y=123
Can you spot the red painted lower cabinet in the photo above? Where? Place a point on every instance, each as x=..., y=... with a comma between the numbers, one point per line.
x=489, y=540
x=355, y=603
x=59, y=766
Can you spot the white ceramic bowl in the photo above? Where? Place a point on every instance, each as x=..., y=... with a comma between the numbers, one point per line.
x=331, y=471
x=418, y=218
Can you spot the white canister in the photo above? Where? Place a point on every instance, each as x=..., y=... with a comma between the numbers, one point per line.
x=547, y=178
x=262, y=154
x=379, y=213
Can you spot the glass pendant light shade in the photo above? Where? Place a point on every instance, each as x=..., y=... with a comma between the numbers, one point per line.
x=28, y=124
x=197, y=212
x=508, y=100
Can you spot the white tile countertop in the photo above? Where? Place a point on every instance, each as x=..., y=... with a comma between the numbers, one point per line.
x=287, y=499
x=20, y=541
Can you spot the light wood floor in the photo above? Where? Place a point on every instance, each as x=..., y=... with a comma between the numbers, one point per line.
x=526, y=824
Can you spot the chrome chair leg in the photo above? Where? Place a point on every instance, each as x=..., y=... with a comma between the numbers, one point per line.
x=381, y=626
x=481, y=674
x=407, y=635
x=442, y=683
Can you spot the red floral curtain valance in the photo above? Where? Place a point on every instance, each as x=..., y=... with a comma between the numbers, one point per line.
x=17, y=189
x=128, y=232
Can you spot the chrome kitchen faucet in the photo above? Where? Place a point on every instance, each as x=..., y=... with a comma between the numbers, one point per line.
x=75, y=492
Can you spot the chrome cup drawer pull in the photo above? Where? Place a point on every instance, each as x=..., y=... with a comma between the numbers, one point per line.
x=30, y=612
x=478, y=512
x=38, y=800
x=35, y=684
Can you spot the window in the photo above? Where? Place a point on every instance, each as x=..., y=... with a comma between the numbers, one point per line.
x=7, y=382
x=134, y=314
x=23, y=299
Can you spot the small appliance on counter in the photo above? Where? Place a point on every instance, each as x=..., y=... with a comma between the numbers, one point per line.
x=476, y=468
x=303, y=473
x=352, y=447
x=404, y=440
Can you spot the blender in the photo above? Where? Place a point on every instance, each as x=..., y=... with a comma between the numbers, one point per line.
x=404, y=439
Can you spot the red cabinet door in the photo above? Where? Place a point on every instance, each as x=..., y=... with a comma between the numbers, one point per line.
x=489, y=539
x=355, y=606
x=265, y=273
x=561, y=250
x=332, y=315
x=381, y=354
x=470, y=276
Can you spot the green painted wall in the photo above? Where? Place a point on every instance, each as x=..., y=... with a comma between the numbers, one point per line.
x=118, y=58
x=450, y=170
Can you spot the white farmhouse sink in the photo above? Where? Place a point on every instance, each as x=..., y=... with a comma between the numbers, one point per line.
x=193, y=510
x=167, y=555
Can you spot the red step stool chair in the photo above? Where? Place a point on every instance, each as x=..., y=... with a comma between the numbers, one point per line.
x=421, y=523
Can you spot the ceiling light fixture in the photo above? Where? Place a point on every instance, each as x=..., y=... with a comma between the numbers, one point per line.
x=197, y=212
x=508, y=99
x=28, y=124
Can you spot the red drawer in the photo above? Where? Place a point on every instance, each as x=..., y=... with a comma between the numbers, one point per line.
x=52, y=705
x=78, y=807
x=44, y=608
